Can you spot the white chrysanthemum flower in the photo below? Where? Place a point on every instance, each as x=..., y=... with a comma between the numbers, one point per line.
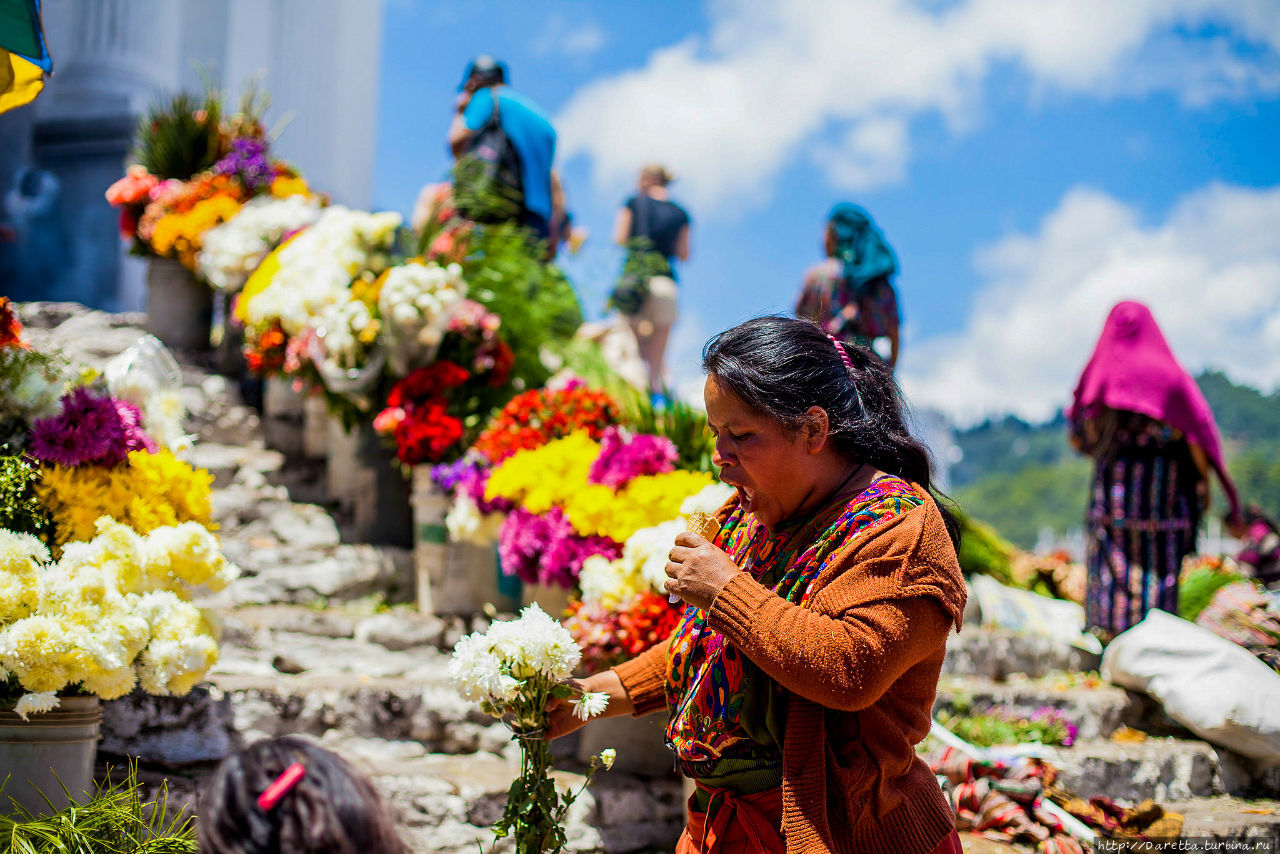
x=466, y=524
x=35, y=703
x=646, y=552
x=234, y=249
x=477, y=673
x=110, y=684
x=608, y=582
x=607, y=757
x=590, y=704
x=21, y=556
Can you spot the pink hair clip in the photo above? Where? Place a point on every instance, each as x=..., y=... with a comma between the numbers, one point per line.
x=288, y=778
x=844, y=354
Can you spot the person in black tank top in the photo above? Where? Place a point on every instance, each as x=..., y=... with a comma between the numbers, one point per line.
x=651, y=223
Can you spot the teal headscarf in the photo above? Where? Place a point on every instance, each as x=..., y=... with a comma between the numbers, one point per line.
x=860, y=246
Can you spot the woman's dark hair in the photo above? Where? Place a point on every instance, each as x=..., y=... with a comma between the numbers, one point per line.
x=781, y=366
x=332, y=809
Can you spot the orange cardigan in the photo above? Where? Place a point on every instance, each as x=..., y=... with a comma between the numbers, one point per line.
x=861, y=660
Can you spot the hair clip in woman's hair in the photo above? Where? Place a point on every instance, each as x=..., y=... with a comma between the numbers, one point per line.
x=848, y=366
x=288, y=778
x=844, y=354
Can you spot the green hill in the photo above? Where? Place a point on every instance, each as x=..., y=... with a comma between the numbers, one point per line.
x=1022, y=477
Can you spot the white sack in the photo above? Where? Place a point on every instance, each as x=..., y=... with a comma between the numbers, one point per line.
x=1213, y=687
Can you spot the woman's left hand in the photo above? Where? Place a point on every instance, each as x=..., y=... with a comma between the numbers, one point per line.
x=697, y=570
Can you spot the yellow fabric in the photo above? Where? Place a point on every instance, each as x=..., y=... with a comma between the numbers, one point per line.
x=20, y=81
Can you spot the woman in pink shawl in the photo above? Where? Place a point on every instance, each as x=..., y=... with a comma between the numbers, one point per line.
x=1152, y=437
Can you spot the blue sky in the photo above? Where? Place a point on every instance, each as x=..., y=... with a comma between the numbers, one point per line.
x=1031, y=163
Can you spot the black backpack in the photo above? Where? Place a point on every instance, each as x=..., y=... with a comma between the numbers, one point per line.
x=487, y=183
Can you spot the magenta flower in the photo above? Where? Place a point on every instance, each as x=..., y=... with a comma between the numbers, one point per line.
x=622, y=460
x=89, y=429
x=544, y=549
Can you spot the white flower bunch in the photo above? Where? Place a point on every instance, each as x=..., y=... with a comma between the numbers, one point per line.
x=348, y=329
x=233, y=250
x=32, y=383
x=417, y=300
x=318, y=266
x=466, y=524
x=518, y=665
x=110, y=614
x=643, y=564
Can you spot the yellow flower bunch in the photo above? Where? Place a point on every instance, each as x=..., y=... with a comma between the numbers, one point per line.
x=551, y=475
x=289, y=185
x=151, y=491
x=112, y=613
x=180, y=234
x=644, y=502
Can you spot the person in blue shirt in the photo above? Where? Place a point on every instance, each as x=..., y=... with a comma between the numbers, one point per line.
x=526, y=127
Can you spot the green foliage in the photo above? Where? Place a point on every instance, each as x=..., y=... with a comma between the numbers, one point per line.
x=1008, y=446
x=115, y=821
x=180, y=135
x=539, y=310
x=1021, y=503
x=479, y=199
x=1197, y=589
x=998, y=725
x=20, y=509
x=983, y=551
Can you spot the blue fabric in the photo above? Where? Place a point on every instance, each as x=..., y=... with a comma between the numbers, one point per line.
x=860, y=246
x=530, y=131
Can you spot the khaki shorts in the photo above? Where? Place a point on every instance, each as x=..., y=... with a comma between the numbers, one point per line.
x=659, y=307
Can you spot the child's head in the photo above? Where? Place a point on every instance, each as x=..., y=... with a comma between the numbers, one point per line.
x=330, y=808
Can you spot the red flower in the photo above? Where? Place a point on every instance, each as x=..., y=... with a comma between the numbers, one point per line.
x=427, y=434
x=10, y=327
x=425, y=383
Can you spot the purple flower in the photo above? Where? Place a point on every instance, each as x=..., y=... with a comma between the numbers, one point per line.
x=622, y=460
x=89, y=429
x=248, y=162
x=468, y=476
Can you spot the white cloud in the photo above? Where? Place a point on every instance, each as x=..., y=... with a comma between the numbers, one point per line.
x=1210, y=274
x=564, y=37
x=730, y=109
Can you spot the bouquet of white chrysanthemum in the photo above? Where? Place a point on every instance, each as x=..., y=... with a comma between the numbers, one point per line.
x=417, y=301
x=317, y=268
x=232, y=251
x=514, y=671
x=112, y=613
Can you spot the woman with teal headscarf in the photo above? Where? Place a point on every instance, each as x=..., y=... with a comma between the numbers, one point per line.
x=849, y=295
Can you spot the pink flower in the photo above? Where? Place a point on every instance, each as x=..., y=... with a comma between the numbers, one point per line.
x=622, y=460
x=389, y=419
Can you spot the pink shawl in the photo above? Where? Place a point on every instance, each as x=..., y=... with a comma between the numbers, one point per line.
x=1132, y=368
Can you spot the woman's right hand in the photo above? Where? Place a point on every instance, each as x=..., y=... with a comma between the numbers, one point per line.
x=561, y=719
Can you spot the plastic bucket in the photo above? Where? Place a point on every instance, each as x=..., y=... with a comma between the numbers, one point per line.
x=452, y=578
x=179, y=309
x=49, y=756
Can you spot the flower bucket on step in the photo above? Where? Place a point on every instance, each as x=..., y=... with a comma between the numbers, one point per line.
x=49, y=756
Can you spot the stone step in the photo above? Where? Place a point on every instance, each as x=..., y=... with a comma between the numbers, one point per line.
x=1095, y=707
x=1000, y=653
